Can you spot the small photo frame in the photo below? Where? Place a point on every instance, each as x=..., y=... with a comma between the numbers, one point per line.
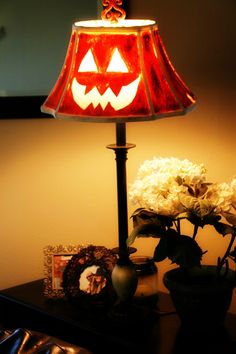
x=87, y=276
x=55, y=261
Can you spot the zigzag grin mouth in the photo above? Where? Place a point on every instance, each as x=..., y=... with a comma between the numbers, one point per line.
x=122, y=100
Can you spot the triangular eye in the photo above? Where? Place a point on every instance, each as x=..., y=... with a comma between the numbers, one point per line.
x=88, y=63
x=117, y=64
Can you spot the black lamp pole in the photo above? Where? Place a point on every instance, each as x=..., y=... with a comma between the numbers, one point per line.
x=121, y=149
x=124, y=275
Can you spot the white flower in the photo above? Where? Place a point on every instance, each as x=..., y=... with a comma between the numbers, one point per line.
x=178, y=190
x=233, y=187
x=220, y=195
x=160, y=181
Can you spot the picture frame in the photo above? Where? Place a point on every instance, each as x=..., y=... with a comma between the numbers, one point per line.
x=55, y=260
x=87, y=276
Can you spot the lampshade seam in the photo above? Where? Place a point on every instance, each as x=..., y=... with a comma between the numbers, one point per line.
x=69, y=74
x=164, y=71
x=144, y=73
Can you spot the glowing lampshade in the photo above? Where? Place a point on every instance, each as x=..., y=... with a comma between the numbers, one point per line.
x=118, y=73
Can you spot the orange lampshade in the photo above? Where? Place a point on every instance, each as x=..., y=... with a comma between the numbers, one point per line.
x=117, y=73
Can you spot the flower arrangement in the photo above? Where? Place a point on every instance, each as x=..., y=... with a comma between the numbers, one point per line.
x=170, y=191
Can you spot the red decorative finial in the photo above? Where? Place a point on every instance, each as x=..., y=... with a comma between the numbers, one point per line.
x=113, y=11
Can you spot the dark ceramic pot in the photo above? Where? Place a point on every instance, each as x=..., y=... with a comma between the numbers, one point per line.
x=201, y=296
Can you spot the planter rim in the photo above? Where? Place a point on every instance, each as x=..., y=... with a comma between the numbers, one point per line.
x=200, y=279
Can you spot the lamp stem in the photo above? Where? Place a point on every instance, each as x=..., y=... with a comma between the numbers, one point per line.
x=121, y=149
x=120, y=134
x=121, y=158
x=124, y=277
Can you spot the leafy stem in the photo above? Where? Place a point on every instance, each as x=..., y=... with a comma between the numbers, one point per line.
x=195, y=230
x=224, y=260
x=177, y=225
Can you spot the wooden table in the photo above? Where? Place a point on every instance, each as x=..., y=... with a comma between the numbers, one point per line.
x=143, y=331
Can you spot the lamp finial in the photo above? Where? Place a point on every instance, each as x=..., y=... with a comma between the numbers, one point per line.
x=113, y=11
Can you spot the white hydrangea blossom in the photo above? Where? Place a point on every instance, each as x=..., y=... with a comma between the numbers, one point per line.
x=157, y=185
x=233, y=187
x=161, y=181
x=221, y=196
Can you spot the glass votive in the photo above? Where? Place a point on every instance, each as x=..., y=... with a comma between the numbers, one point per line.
x=147, y=290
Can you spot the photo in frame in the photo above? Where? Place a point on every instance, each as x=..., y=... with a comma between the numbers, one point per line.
x=55, y=260
x=87, y=276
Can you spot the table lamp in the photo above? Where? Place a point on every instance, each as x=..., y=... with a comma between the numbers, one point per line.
x=117, y=70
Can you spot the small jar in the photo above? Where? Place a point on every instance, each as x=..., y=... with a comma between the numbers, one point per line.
x=146, y=293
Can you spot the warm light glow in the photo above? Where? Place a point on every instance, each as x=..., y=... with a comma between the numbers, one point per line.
x=124, y=98
x=84, y=97
x=88, y=63
x=117, y=64
x=120, y=24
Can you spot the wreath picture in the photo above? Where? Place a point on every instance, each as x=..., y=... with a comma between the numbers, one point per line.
x=87, y=276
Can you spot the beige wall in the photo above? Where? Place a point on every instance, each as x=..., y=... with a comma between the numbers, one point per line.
x=57, y=179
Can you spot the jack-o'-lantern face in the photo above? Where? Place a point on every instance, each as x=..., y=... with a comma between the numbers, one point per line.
x=117, y=73
x=101, y=81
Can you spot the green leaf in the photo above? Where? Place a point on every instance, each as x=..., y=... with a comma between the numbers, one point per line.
x=143, y=213
x=187, y=201
x=180, y=249
x=197, y=207
x=167, y=245
x=223, y=229
x=143, y=216
x=136, y=212
x=187, y=253
x=232, y=254
x=230, y=217
x=145, y=230
x=210, y=219
x=203, y=207
x=184, y=251
x=161, y=250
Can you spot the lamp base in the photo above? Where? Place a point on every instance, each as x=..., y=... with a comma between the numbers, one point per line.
x=124, y=280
